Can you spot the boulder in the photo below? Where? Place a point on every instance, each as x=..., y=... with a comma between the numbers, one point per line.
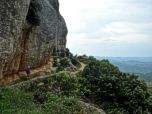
x=53, y=71
x=40, y=84
x=69, y=69
x=23, y=44
x=65, y=69
x=78, y=61
x=75, y=56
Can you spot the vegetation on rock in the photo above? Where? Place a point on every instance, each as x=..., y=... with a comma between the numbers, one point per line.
x=74, y=61
x=101, y=82
x=62, y=54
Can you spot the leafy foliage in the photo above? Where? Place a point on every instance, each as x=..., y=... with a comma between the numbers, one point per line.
x=55, y=54
x=33, y=16
x=121, y=90
x=62, y=54
x=114, y=90
x=65, y=82
x=63, y=64
x=67, y=50
x=84, y=55
x=67, y=53
x=74, y=61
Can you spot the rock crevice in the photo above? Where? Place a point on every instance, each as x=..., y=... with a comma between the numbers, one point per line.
x=22, y=44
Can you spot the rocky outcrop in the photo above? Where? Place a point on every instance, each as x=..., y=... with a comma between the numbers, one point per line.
x=22, y=44
x=72, y=67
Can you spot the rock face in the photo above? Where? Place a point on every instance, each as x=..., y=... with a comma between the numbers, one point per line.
x=22, y=44
x=70, y=62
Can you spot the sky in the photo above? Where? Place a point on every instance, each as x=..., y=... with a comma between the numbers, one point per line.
x=109, y=28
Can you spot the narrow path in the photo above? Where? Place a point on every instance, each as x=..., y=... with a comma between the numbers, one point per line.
x=19, y=84
x=82, y=67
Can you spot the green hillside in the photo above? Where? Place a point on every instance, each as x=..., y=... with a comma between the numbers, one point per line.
x=147, y=77
x=101, y=82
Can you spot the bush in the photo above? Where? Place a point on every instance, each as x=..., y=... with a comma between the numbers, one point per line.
x=67, y=50
x=83, y=88
x=55, y=54
x=122, y=90
x=64, y=63
x=84, y=55
x=23, y=78
x=46, y=80
x=62, y=54
x=55, y=62
x=67, y=53
x=66, y=82
x=32, y=16
x=74, y=61
x=13, y=101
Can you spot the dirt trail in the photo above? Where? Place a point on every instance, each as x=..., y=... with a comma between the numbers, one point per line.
x=19, y=84
x=82, y=67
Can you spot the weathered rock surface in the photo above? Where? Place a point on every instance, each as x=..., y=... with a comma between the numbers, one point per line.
x=70, y=62
x=22, y=44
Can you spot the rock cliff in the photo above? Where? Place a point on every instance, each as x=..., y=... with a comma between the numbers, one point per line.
x=22, y=44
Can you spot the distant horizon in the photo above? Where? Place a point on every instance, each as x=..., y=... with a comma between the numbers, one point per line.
x=108, y=27
x=104, y=56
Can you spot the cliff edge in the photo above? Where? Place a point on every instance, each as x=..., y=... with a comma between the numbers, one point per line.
x=21, y=43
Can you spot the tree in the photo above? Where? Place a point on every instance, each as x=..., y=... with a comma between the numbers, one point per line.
x=123, y=91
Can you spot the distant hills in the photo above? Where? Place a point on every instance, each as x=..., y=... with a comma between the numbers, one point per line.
x=125, y=58
x=141, y=66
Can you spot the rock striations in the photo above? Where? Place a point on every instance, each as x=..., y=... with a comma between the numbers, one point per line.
x=22, y=44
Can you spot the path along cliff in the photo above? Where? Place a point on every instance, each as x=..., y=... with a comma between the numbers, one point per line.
x=87, y=105
x=33, y=71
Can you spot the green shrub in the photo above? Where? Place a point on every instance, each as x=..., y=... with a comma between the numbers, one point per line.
x=23, y=78
x=54, y=50
x=83, y=88
x=55, y=62
x=67, y=53
x=13, y=101
x=60, y=68
x=32, y=16
x=64, y=63
x=55, y=54
x=62, y=54
x=84, y=55
x=46, y=80
x=122, y=90
x=67, y=50
x=65, y=81
x=74, y=61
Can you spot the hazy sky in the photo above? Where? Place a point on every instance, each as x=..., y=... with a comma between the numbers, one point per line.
x=113, y=28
